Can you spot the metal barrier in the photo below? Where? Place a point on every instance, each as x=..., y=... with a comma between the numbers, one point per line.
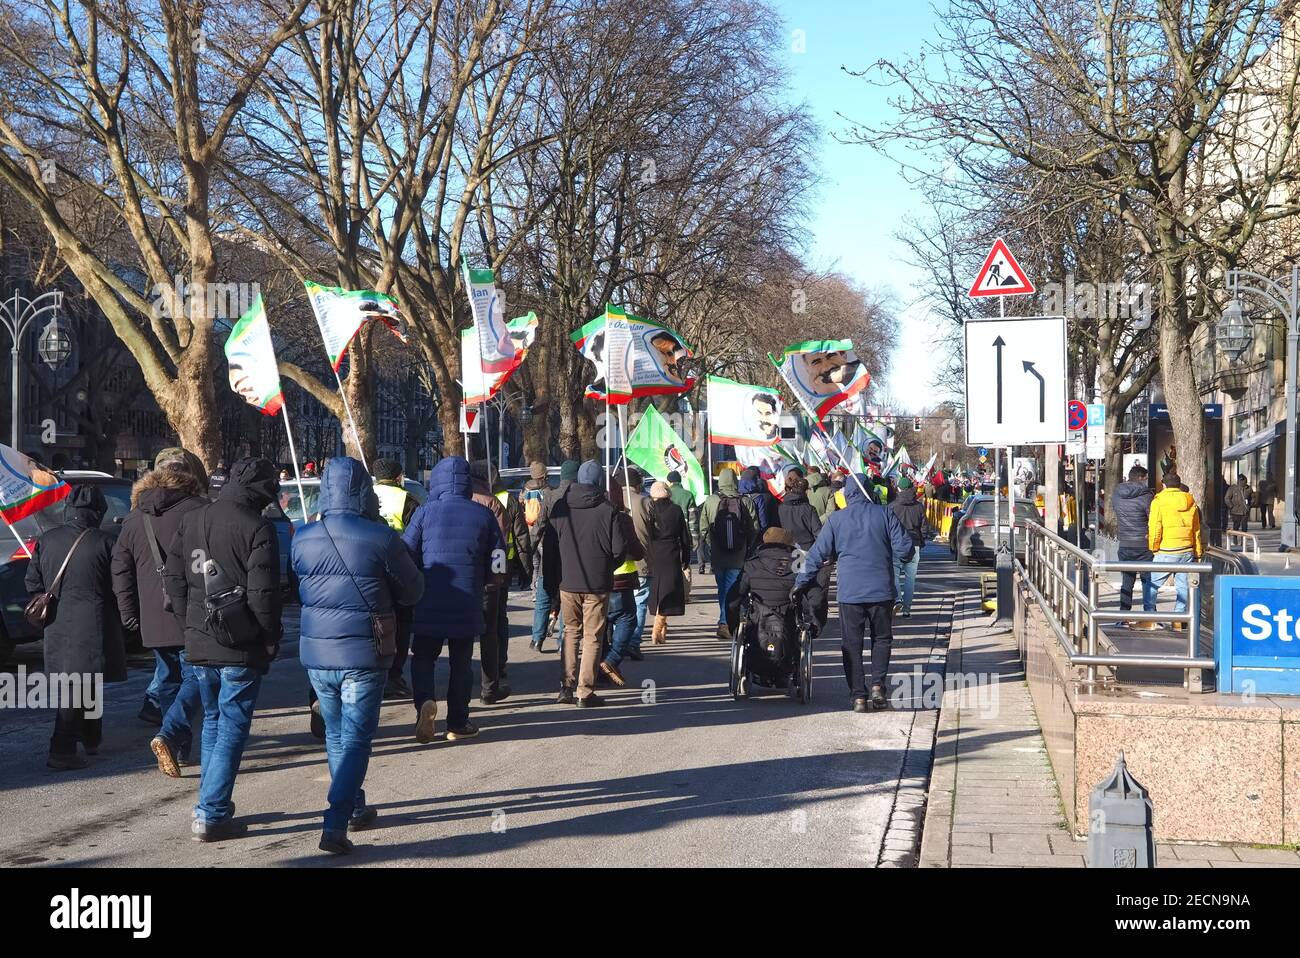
x=1064, y=580
x=1245, y=543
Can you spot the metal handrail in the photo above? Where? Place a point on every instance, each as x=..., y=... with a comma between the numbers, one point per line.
x=1245, y=538
x=1064, y=581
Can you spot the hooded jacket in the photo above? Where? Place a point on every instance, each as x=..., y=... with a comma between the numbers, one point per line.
x=233, y=532
x=799, y=517
x=728, y=488
x=753, y=488
x=452, y=539
x=347, y=568
x=165, y=495
x=1131, y=504
x=86, y=634
x=819, y=493
x=911, y=515
x=685, y=500
x=1175, y=523
x=864, y=539
x=590, y=538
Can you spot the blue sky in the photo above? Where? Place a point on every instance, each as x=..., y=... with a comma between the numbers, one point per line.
x=863, y=197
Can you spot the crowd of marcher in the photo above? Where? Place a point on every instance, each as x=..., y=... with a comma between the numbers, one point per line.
x=382, y=580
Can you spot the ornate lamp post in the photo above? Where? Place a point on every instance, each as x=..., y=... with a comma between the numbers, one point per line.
x=17, y=313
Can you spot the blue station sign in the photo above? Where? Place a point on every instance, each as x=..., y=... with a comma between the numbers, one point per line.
x=1257, y=634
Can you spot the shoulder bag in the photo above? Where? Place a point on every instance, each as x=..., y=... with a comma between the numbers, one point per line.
x=44, y=606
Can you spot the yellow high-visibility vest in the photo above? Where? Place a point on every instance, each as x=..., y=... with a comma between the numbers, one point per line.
x=503, y=497
x=392, y=503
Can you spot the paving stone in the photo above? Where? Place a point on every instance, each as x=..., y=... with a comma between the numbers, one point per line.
x=1015, y=843
x=1221, y=853
x=1281, y=856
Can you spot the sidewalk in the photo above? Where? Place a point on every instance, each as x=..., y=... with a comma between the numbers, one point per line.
x=993, y=800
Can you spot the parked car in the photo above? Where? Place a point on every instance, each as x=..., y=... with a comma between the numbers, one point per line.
x=514, y=478
x=973, y=535
x=291, y=502
x=14, y=627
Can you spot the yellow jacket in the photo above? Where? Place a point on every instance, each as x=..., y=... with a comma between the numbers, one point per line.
x=1175, y=523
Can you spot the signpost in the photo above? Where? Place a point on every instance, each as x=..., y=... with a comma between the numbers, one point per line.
x=1015, y=381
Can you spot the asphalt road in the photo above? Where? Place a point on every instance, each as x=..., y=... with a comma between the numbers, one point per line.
x=671, y=772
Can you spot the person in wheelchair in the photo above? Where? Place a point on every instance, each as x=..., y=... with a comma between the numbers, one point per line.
x=761, y=602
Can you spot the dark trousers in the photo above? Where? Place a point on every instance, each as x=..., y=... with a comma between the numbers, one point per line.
x=72, y=726
x=403, y=613
x=1266, y=515
x=857, y=619
x=493, y=651
x=1126, y=580
x=425, y=650
x=1239, y=522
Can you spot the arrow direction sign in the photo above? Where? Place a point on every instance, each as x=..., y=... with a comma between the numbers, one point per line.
x=1010, y=410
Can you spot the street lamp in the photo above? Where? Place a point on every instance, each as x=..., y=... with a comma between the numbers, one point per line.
x=17, y=314
x=1286, y=302
x=54, y=345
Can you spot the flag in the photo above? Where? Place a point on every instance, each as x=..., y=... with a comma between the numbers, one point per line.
x=341, y=312
x=633, y=357
x=25, y=487
x=822, y=373
x=250, y=359
x=923, y=474
x=656, y=448
x=741, y=414
x=848, y=457
x=498, y=352
x=479, y=386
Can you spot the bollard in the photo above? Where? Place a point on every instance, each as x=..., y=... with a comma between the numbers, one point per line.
x=1120, y=823
x=1003, y=566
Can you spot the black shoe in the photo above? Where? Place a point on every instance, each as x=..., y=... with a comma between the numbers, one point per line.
x=535, y=645
x=363, y=819
x=317, y=722
x=65, y=762
x=635, y=655
x=860, y=704
x=878, y=700
x=492, y=698
x=591, y=701
x=335, y=842
x=218, y=831
x=565, y=697
x=150, y=714
x=396, y=689
x=468, y=730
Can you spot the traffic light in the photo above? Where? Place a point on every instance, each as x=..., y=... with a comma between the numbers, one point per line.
x=916, y=424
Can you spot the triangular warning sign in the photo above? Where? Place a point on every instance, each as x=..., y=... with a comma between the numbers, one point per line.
x=1001, y=275
x=469, y=418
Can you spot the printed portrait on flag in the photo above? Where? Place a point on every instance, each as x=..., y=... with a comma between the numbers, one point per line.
x=741, y=414
x=250, y=359
x=633, y=357
x=822, y=373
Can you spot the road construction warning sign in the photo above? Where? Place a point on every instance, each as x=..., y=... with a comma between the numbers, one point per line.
x=1001, y=275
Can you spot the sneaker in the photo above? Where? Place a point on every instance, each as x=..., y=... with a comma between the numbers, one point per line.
x=612, y=673
x=535, y=645
x=217, y=831
x=635, y=655
x=860, y=704
x=317, y=722
x=150, y=714
x=363, y=819
x=907, y=613
x=468, y=730
x=492, y=698
x=898, y=607
x=65, y=762
x=1180, y=626
x=424, y=724
x=565, y=697
x=166, y=755
x=724, y=633
x=878, y=700
x=590, y=701
x=1150, y=626
x=335, y=842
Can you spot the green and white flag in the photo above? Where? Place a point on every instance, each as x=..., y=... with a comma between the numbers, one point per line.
x=741, y=414
x=496, y=348
x=822, y=373
x=341, y=312
x=250, y=358
x=633, y=357
x=656, y=448
x=479, y=386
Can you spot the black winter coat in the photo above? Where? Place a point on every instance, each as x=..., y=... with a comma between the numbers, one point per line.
x=166, y=495
x=769, y=574
x=911, y=515
x=233, y=532
x=1131, y=503
x=86, y=634
x=668, y=553
x=799, y=518
x=590, y=538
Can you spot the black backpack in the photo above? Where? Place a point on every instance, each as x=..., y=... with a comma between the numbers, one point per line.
x=727, y=532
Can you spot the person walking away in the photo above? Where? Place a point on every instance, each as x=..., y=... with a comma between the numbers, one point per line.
x=638, y=506
x=754, y=488
x=495, y=594
x=458, y=545
x=864, y=538
x=352, y=573
x=396, y=506
x=1132, y=508
x=73, y=561
x=685, y=500
x=910, y=513
x=1267, y=496
x=158, y=501
x=592, y=546
x=519, y=560
x=222, y=548
x=819, y=491
x=770, y=574
x=1174, y=536
x=669, y=553
x=732, y=528
x=621, y=623
x=546, y=563
x=799, y=517
x=1238, y=502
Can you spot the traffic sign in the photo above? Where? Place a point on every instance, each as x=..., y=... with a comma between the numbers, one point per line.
x=1015, y=381
x=1000, y=275
x=1077, y=414
x=469, y=418
x=1096, y=430
x=984, y=453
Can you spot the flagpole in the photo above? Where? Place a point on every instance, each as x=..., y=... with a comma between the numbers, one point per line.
x=18, y=537
x=293, y=456
x=348, y=409
x=708, y=454
x=622, y=430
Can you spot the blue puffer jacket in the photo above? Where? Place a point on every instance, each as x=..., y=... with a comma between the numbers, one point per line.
x=452, y=539
x=336, y=632
x=864, y=538
x=755, y=490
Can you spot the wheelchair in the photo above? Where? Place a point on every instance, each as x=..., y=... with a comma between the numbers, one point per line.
x=772, y=649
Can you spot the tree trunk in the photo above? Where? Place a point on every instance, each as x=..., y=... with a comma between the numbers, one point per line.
x=1181, y=396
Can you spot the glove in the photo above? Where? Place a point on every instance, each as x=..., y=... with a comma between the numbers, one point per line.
x=798, y=592
x=131, y=625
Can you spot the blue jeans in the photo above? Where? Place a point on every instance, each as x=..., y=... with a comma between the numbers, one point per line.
x=425, y=650
x=642, y=598
x=176, y=727
x=166, y=681
x=905, y=578
x=726, y=579
x=1127, y=579
x=350, y=700
x=542, y=607
x=1180, y=578
x=622, y=628
x=229, y=695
